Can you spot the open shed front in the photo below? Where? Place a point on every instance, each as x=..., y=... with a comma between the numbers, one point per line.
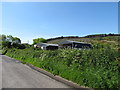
x=81, y=45
x=66, y=45
x=51, y=47
x=74, y=44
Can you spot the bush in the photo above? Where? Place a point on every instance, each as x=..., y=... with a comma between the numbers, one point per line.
x=4, y=51
x=95, y=68
x=6, y=44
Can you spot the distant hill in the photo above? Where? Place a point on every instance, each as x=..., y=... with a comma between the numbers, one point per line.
x=88, y=38
x=101, y=35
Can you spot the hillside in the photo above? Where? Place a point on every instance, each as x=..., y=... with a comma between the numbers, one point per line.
x=111, y=39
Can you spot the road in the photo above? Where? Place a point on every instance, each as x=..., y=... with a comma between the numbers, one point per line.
x=18, y=75
x=0, y=71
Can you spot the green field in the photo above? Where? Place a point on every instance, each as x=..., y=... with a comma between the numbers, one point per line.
x=94, y=68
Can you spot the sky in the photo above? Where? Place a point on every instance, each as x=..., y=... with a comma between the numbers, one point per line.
x=30, y=20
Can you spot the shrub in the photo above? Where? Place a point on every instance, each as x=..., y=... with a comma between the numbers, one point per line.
x=95, y=68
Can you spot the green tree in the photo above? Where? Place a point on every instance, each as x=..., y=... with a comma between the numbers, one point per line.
x=16, y=40
x=6, y=44
x=12, y=39
x=35, y=41
x=3, y=37
x=9, y=38
x=8, y=41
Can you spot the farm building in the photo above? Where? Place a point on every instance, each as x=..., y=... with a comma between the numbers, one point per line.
x=46, y=46
x=74, y=44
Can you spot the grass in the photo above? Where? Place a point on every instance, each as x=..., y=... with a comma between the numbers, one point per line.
x=95, y=68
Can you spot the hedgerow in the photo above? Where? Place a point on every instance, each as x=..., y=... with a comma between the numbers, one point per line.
x=95, y=68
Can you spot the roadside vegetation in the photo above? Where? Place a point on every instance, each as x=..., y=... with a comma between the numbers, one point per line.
x=95, y=68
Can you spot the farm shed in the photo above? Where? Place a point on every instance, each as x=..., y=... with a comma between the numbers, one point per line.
x=46, y=46
x=74, y=44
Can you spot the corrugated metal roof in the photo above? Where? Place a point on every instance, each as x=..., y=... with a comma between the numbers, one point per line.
x=46, y=44
x=70, y=42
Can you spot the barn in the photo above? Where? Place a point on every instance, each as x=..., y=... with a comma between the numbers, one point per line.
x=46, y=46
x=74, y=44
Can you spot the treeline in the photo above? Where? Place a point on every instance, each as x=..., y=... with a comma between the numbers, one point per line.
x=101, y=35
x=88, y=36
x=8, y=41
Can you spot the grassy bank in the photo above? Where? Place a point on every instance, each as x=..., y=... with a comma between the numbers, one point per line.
x=95, y=68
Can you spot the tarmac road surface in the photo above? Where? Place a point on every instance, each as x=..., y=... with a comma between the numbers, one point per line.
x=0, y=71
x=17, y=75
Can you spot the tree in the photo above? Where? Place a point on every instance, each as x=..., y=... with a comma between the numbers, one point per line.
x=35, y=41
x=3, y=41
x=12, y=39
x=6, y=44
x=3, y=37
x=16, y=40
x=18, y=46
x=9, y=40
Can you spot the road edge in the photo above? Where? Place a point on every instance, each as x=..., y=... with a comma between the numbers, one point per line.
x=58, y=78
x=55, y=77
